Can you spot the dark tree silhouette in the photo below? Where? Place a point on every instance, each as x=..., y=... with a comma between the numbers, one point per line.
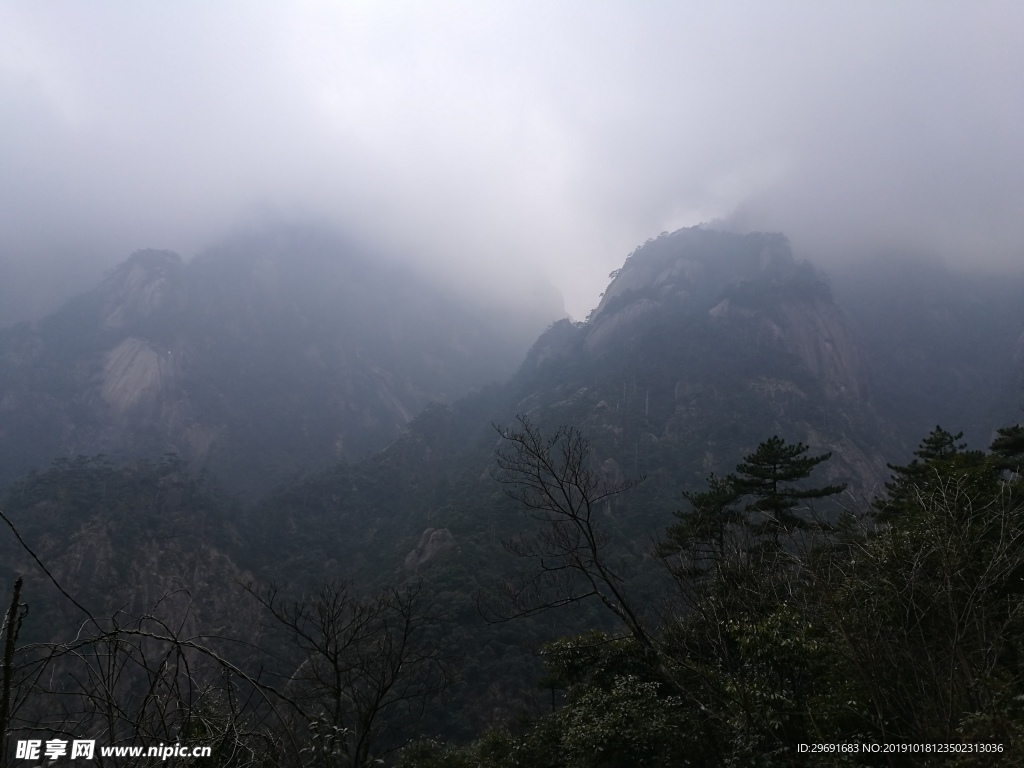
x=767, y=474
x=370, y=666
x=939, y=456
x=555, y=479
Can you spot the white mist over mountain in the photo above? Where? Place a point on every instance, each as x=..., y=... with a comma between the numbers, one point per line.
x=495, y=142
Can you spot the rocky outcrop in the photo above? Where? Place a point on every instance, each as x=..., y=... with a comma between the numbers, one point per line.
x=606, y=327
x=432, y=543
x=821, y=337
x=705, y=344
x=746, y=278
x=136, y=375
x=146, y=286
x=692, y=267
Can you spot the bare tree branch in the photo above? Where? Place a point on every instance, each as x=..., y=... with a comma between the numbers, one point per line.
x=555, y=480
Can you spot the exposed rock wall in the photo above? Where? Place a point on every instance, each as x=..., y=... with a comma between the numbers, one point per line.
x=819, y=334
x=136, y=376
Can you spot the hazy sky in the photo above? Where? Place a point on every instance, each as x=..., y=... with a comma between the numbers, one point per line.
x=492, y=138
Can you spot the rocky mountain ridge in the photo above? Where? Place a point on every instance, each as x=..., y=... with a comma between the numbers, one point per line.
x=704, y=344
x=264, y=356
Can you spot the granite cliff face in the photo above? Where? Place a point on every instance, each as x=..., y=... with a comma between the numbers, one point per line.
x=756, y=279
x=265, y=356
x=704, y=344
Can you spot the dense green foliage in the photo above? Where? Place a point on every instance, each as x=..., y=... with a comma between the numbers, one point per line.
x=907, y=631
x=898, y=623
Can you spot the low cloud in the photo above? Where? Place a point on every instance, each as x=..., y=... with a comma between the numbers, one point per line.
x=489, y=141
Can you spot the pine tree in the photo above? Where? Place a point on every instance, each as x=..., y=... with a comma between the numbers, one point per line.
x=767, y=473
x=1008, y=448
x=701, y=532
x=940, y=457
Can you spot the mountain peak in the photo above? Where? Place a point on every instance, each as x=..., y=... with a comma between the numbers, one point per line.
x=694, y=265
x=148, y=283
x=263, y=356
